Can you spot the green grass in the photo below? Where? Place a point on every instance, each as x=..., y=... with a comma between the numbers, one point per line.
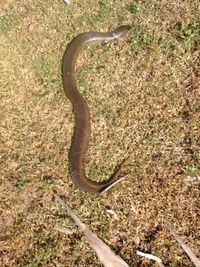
x=142, y=91
x=8, y=22
x=42, y=256
x=191, y=170
x=141, y=38
x=20, y=183
x=46, y=71
x=135, y=7
x=187, y=33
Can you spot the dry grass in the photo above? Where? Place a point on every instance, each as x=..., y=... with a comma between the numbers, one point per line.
x=144, y=96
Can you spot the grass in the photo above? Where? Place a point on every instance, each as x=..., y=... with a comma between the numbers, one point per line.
x=143, y=92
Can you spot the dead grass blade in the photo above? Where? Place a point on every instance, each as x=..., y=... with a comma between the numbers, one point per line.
x=64, y=230
x=185, y=247
x=104, y=253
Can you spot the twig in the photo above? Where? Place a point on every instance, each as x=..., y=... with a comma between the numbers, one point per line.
x=185, y=247
x=117, y=181
x=2, y=13
x=67, y=2
x=151, y=257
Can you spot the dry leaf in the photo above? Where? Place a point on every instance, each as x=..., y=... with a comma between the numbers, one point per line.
x=104, y=253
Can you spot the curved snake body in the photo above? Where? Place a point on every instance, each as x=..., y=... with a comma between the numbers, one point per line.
x=81, y=134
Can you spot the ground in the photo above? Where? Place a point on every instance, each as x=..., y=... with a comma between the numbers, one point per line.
x=143, y=91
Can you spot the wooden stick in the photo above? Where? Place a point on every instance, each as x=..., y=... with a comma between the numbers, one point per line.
x=185, y=247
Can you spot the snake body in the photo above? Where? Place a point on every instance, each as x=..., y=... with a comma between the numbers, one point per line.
x=81, y=134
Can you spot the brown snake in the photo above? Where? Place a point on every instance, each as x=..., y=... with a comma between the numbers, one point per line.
x=81, y=111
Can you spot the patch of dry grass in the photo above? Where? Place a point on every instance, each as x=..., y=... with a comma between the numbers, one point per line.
x=144, y=95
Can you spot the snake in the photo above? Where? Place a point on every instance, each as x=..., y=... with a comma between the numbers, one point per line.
x=81, y=135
